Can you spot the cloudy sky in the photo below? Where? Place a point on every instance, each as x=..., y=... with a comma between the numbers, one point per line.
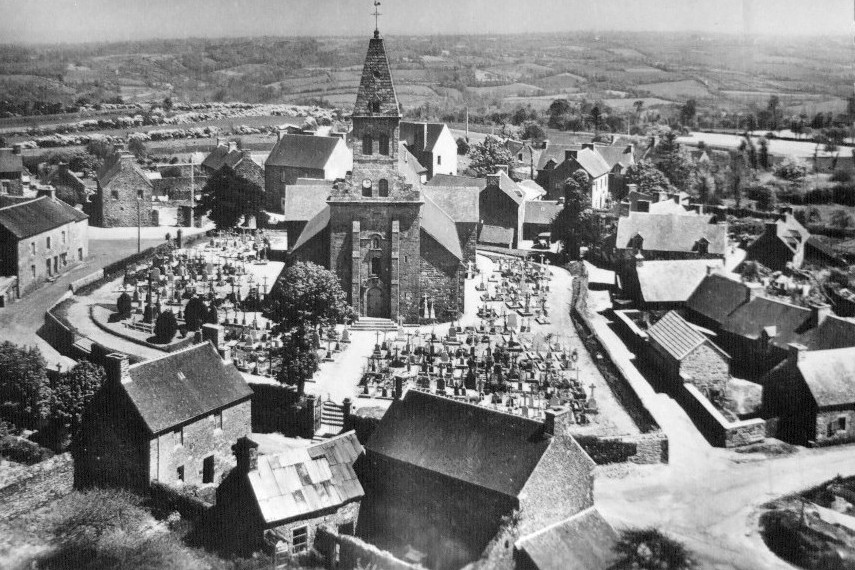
x=98, y=20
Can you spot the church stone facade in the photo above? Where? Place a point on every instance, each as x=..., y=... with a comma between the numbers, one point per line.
x=398, y=253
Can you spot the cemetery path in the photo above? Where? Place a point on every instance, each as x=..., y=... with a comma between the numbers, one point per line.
x=707, y=497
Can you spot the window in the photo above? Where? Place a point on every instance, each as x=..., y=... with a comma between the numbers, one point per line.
x=282, y=176
x=300, y=539
x=384, y=144
x=139, y=194
x=33, y=248
x=63, y=237
x=218, y=420
x=47, y=266
x=384, y=188
x=180, y=473
x=63, y=258
x=208, y=469
x=178, y=436
x=438, y=160
x=33, y=271
x=47, y=242
x=114, y=194
x=375, y=266
x=346, y=528
x=375, y=243
x=79, y=254
x=367, y=145
x=841, y=424
x=367, y=191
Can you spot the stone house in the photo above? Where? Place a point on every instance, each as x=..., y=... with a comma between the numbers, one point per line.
x=665, y=283
x=41, y=239
x=441, y=476
x=61, y=178
x=303, y=156
x=397, y=251
x=124, y=195
x=685, y=355
x=12, y=171
x=433, y=145
x=171, y=420
x=282, y=499
x=239, y=160
x=589, y=161
x=811, y=395
x=781, y=244
x=538, y=217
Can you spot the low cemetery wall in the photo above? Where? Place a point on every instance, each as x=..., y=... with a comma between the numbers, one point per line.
x=718, y=430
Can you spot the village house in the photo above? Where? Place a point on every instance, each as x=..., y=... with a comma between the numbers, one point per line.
x=281, y=500
x=239, y=160
x=69, y=184
x=433, y=145
x=124, y=194
x=441, y=476
x=12, y=171
x=40, y=239
x=586, y=159
x=303, y=156
x=538, y=217
x=398, y=253
x=170, y=420
x=786, y=243
x=665, y=283
x=685, y=355
x=811, y=396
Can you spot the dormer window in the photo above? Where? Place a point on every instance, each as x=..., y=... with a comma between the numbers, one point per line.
x=703, y=246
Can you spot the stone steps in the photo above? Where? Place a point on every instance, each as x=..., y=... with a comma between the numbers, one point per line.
x=374, y=324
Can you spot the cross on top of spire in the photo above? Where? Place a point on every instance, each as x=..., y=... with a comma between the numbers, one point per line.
x=376, y=15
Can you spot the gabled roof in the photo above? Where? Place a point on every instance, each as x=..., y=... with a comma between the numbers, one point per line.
x=585, y=541
x=115, y=164
x=541, y=212
x=675, y=335
x=10, y=162
x=833, y=332
x=829, y=375
x=313, y=227
x=459, y=202
x=509, y=187
x=221, y=156
x=592, y=163
x=452, y=180
x=750, y=319
x=616, y=154
x=410, y=135
x=303, y=151
x=305, y=201
x=824, y=249
x=555, y=153
x=33, y=217
x=531, y=189
x=376, y=84
x=306, y=480
x=184, y=385
x=717, y=296
x=496, y=235
x=441, y=227
x=409, y=166
x=672, y=281
x=671, y=232
x=468, y=443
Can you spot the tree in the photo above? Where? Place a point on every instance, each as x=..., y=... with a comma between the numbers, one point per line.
x=124, y=305
x=705, y=188
x=194, y=313
x=774, y=112
x=840, y=219
x=647, y=177
x=559, y=108
x=688, y=112
x=763, y=154
x=485, y=157
x=596, y=116
x=533, y=131
x=165, y=327
x=764, y=197
x=24, y=388
x=299, y=359
x=212, y=317
x=793, y=170
x=576, y=224
x=71, y=393
x=307, y=295
x=462, y=146
x=228, y=197
x=650, y=549
x=167, y=104
x=136, y=147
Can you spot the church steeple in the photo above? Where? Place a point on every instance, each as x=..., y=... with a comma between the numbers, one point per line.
x=376, y=96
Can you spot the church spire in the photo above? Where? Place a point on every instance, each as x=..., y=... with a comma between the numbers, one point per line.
x=376, y=96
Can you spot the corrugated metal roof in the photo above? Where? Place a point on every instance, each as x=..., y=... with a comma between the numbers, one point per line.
x=33, y=217
x=675, y=335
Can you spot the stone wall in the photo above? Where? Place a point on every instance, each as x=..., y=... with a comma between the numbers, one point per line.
x=69, y=247
x=121, y=209
x=334, y=520
x=442, y=279
x=706, y=368
x=351, y=553
x=717, y=429
x=276, y=408
x=832, y=418
x=38, y=485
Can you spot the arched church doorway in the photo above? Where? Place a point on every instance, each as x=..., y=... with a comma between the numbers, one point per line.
x=375, y=305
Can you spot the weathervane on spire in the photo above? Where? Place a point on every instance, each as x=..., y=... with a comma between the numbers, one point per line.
x=376, y=15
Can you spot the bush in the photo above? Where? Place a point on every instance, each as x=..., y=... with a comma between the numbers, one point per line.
x=22, y=450
x=791, y=169
x=649, y=548
x=124, y=305
x=841, y=176
x=165, y=327
x=844, y=194
x=194, y=314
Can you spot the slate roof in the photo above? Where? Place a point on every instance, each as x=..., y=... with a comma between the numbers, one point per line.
x=306, y=480
x=531, y=189
x=717, y=296
x=829, y=375
x=313, y=227
x=33, y=217
x=465, y=442
x=675, y=335
x=305, y=201
x=834, y=332
x=671, y=232
x=594, y=164
x=813, y=242
x=750, y=319
x=663, y=281
x=408, y=134
x=183, y=385
x=303, y=151
x=460, y=181
x=409, y=166
x=556, y=153
x=541, y=212
x=459, y=202
x=509, y=187
x=496, y=235
x=221, y=156
x=376, y=84
x=113, y=166
x=585, y=541
x=441, y=227
x=615, y=154
x=10, y=162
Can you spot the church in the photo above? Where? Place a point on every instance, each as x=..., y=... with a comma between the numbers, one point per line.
x=400, y=249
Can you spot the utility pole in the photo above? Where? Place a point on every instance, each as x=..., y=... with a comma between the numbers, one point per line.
x=139, y=225
x=192, y=193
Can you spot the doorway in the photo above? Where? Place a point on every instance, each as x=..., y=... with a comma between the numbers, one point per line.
x=374, y=305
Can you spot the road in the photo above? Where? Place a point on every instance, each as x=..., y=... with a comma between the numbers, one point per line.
x=705, y=496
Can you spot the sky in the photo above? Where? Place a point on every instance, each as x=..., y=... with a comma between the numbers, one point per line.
x=51, y=21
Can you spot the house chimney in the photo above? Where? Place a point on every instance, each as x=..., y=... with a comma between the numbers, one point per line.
x=639, y=259
x=570, y=153
x=662, y=196
x=213, y=334
x=819, y=312
x=16, y=148
x=795, y=352
x=772, y=227
x=629, y=149
x=752, y=291
x=589, y=146
x=246, y=454
x=232, y=146
x=62, y=167
x=493, y=179
x=221, y=142
x=711, y=269
x=501, y=168
x=246, y=153
x=278, y=135
x=558, y=421
x=631, y=188
x=642, y=205
x=48, y=191
x=117, y=366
